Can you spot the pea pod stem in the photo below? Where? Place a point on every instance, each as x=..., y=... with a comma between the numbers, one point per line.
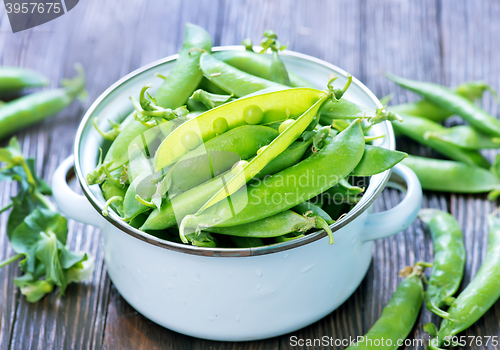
x=11, y=260
x=105, y=210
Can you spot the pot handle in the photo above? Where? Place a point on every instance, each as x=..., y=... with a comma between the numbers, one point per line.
x=397, y=219
x=71, y=204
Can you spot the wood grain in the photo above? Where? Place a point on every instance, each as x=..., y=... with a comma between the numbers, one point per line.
x=445, y=41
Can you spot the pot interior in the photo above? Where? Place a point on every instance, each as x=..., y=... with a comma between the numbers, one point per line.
x=114, y=104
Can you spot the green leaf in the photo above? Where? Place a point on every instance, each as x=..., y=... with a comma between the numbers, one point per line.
x=48, y=253
x=81, y=271
x=431, y=329
x=26, y=237
x=11, y=154
x=22, y=208
x=25, y=241
x=69, y=258
x=32, y=288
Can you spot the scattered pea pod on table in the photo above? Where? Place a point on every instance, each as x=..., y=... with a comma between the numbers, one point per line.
x=398, y=317
x=15, y=78
x=449, y=259
x=450, y=176
x=419, y=128
x=454, y=103
x=478, y=297
x=32, y=108
x=424, y=108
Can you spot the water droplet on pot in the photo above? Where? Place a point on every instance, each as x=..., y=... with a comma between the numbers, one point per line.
x=258, y=272
x=237, y=318
x=307, y=268
x=285, y=256
x=258, y=287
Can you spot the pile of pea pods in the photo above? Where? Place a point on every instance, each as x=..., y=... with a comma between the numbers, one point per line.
x=24, y=111
x=467, y=170
x=214, y=157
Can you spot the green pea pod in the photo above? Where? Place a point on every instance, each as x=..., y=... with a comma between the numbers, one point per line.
x=218, y=155
x=331, y=164
x=256, y=64
x=470, y=90
x=275, y=106
x=448, y=176
x=376, y=160
x=465, y=137
x=279, y=74
x=141, y=186
x=345, y=109
x=291, y=156
x=417, y=128
x=449, y=259
x=397, y=319
x=129, y=139
x=191, y=201
x=278, y=145
x=173, y=93
x=15, y=78
x=30, y=109
x=272, y=226
x=229, y=78
x=186, y=76
x=454, y=103
x=481, y=293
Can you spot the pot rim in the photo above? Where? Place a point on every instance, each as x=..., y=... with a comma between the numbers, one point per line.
x=114, y=219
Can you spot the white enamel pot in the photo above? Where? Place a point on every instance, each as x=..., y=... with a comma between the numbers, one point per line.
x=234, y=294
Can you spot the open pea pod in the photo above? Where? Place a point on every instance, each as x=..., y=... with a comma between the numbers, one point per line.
x=275, y=106
x=277, y=146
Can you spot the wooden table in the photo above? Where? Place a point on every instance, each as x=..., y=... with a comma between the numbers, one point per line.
x=444, y=41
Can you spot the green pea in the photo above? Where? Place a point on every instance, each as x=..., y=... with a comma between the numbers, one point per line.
x=285, y=125
x=238, y=166
x=190, y=140
x=220, y=125
x=253, y=114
